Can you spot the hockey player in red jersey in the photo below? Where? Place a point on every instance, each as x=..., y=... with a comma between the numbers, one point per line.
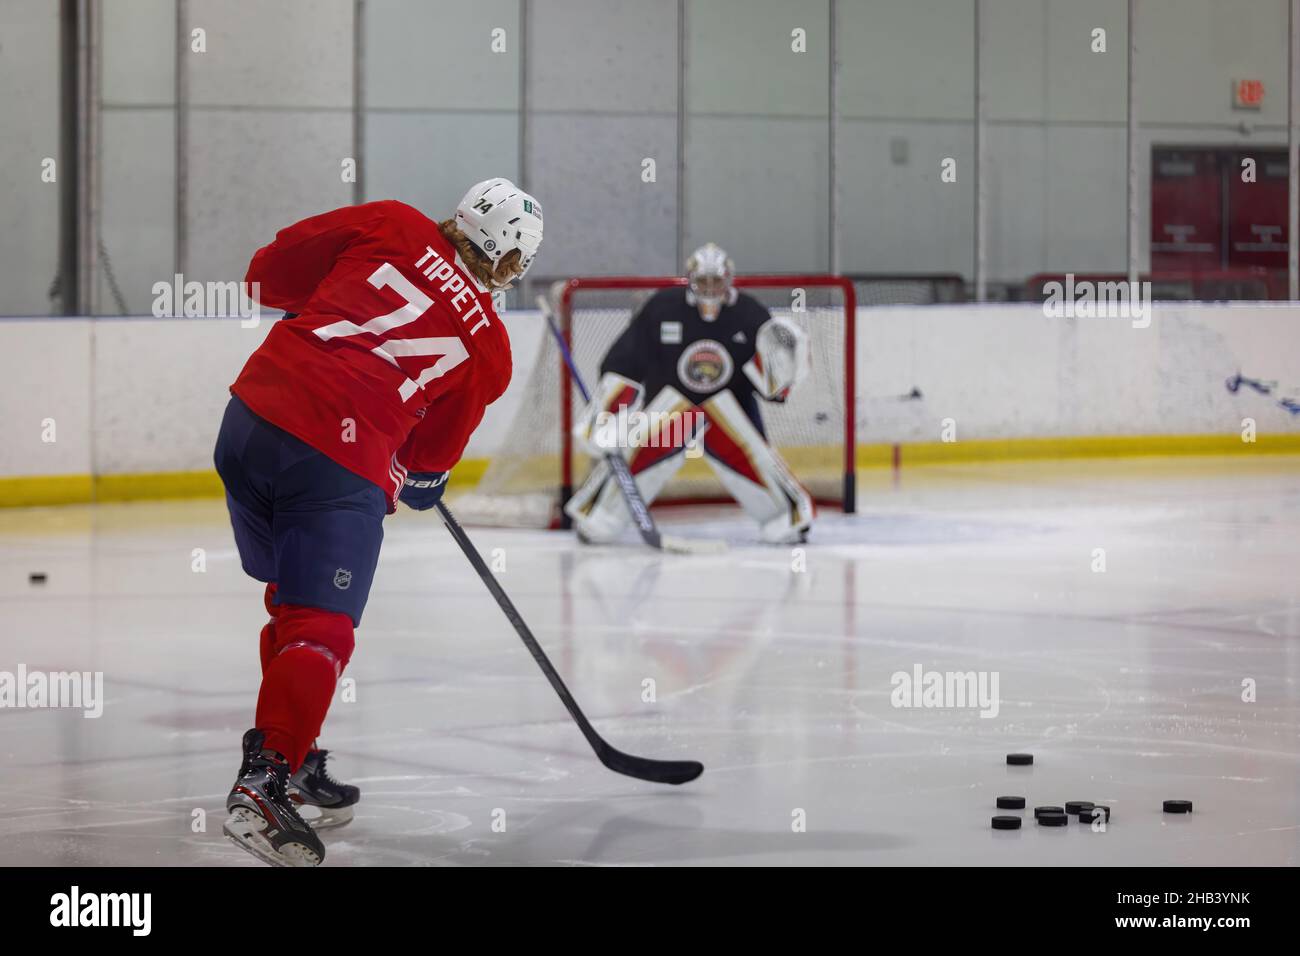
x=696, y=361
x=364, y=395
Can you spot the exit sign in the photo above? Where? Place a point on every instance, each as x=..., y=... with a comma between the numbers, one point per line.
x=1247, y=94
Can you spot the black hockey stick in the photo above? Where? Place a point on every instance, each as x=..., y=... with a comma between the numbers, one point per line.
x=656, y=771
x=645, y=524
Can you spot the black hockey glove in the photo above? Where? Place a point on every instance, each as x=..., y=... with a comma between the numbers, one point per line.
x=423, y=489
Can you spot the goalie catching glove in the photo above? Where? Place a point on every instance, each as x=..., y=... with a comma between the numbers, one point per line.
x=781, y=359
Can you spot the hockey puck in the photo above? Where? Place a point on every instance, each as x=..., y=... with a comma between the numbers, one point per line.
x=1052, y=819
x=1006, y=823
x=1020, y=760
x=1039, y=811
x=1090, y=814
x=1011, y=803
x=1073, y=807
x=36, y=577
x=1178, y=806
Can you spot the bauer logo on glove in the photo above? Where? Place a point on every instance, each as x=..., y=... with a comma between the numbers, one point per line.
x=423, y=490
x=781, y=359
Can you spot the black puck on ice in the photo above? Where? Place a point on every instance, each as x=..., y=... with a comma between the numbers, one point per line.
x=1020, y=760
x=1039, y=811
x=1178, y=806
x=1006, y=823
x=36, y=577
x=1052, y=819
x=1090, y=814
x=1073, y=807
x=1011, y=803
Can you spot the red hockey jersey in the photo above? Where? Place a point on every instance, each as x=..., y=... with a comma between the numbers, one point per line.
x=395, y=352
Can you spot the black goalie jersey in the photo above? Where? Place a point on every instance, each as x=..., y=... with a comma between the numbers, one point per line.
x=668, y=343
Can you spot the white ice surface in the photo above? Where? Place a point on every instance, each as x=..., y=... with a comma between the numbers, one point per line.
x=1126, y=685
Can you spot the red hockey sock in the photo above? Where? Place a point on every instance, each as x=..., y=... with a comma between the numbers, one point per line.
x=267, y=642
x=311, y=648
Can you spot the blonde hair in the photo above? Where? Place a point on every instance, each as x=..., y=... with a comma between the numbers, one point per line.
x=494, y=277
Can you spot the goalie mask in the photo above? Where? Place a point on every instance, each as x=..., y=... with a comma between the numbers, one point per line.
x=498, y=217
x=781, y=359
x=708, y=274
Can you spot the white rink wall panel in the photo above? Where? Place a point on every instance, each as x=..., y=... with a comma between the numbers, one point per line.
x=292, y=54
x=757, y=132
x=602, y=99
x=583, y=190
x=753, y=184
x=889, y=38
x=618, y=56
x=45, y=373
x=252, y=174
x=139, y=212
x=940, y=231
x=1005, y=372
x=440, y=104
x=137, y=153
x=1051, y=41
x=437, y=54
x=160, y=387
x=1199, y=46
x=29, y=134
x=400, y=145
x=150, y=399
x=270, y=125
x=1035, y=224
x=131, y=80
x=741, y=59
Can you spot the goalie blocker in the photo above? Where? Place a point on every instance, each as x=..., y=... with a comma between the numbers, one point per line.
x=724, y=426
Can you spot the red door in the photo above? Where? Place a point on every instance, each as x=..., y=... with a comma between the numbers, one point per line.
x=1186, y=211
x=1257, y=212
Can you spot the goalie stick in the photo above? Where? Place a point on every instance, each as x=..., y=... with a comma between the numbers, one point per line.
x=645, y=524
x=643, y=768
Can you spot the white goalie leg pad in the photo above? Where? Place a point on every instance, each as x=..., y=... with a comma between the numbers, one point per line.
x=754, y=474
x=597, y=428
x=654, y=444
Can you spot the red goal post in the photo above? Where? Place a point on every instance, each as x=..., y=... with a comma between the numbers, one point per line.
x=564, y=293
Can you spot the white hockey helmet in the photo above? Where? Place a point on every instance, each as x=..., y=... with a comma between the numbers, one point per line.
x=709, y=272
x=498, y=217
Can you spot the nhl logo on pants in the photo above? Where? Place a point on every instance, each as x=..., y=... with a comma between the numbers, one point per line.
x=342, y=578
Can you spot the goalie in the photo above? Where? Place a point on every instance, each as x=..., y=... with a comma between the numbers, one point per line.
x=691, y=366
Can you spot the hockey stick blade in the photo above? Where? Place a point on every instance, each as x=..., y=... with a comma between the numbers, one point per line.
x=642, y=768
x=674, y=772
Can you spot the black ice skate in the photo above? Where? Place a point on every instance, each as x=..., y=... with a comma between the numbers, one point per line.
x=312, y=786
x=263, y=819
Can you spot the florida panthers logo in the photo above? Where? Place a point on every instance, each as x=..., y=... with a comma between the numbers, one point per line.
x=705, y=366
x=342, y=579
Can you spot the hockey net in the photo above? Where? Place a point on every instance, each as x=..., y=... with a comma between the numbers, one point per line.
x=537, y=466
